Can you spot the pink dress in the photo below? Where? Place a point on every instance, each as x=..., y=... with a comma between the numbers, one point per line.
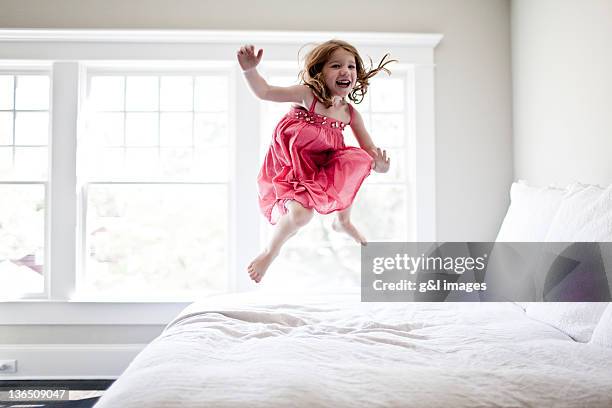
x=308, y=162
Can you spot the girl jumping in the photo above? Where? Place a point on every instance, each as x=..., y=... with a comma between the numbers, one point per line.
x=307, y=165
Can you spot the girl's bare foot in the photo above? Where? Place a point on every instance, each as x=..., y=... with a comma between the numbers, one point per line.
x=258, y=267
x=348, y=228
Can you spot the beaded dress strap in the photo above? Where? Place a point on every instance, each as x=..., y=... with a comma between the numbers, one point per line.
x=351, y=114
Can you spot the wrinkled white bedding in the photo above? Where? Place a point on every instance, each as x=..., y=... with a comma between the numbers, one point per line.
x=343, y=353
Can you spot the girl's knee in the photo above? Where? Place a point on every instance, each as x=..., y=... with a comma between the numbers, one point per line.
x=344, y=219
x=301, y=216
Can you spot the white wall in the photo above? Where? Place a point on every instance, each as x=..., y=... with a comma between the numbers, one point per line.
x=562, y=80
x=473, y=86
x=86, y=334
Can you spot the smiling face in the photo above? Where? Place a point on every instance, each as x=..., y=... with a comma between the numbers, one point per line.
x=340, y=72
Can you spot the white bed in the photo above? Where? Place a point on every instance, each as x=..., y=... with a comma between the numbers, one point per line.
x=342, y=353
x=244, y=350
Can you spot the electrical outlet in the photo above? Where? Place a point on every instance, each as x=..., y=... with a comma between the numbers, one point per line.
x=8, y=366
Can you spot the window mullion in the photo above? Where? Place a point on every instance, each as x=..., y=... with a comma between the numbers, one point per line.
x=62, y=180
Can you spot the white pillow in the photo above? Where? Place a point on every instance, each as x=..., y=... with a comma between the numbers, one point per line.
x=530, y=213
x=576, y=319
x=585, y=215
x=602, y=335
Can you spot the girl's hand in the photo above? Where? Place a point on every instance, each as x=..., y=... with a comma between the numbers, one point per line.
x=381, y=161
x=247, y=58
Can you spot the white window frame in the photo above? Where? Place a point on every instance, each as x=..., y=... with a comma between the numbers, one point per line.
x=65, y=49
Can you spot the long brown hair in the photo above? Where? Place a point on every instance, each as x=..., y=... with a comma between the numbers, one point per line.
x=315, y=60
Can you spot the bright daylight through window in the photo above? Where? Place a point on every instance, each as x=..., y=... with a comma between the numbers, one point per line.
x=154, y=166
x=24, y=135
x=148, y=190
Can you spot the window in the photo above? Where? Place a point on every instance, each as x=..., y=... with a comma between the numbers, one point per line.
x=24, y=135
x=154, y=168
x=153, y=159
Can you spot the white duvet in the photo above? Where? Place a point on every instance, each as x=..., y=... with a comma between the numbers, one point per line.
x=342, y=353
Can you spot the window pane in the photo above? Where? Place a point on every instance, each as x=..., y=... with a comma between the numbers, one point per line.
x=175, y=129
x=141, y=162
x=156, y=239
x=101, y=163
x=107, y=93
x=32, y=92
x=6, y=91
x=176, y=93
x=211, y=93
x=317, y=257
x=31, y=128
x=323, y=269
x=388, y=129
x=381, y=212
x=273, y=112
x=211, y=164
x=211, y=129
x=387, y=95
x=22, y=237
x=349, y=136
x=31, y=163
x=141, y=129
x=6, y=163
x=365, y=105
x=6, y=128
x=106, y=129
x=142, y=93
x=177, y=163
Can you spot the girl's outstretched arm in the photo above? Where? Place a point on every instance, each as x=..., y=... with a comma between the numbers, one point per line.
x=381, y=161
x=248, y=61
